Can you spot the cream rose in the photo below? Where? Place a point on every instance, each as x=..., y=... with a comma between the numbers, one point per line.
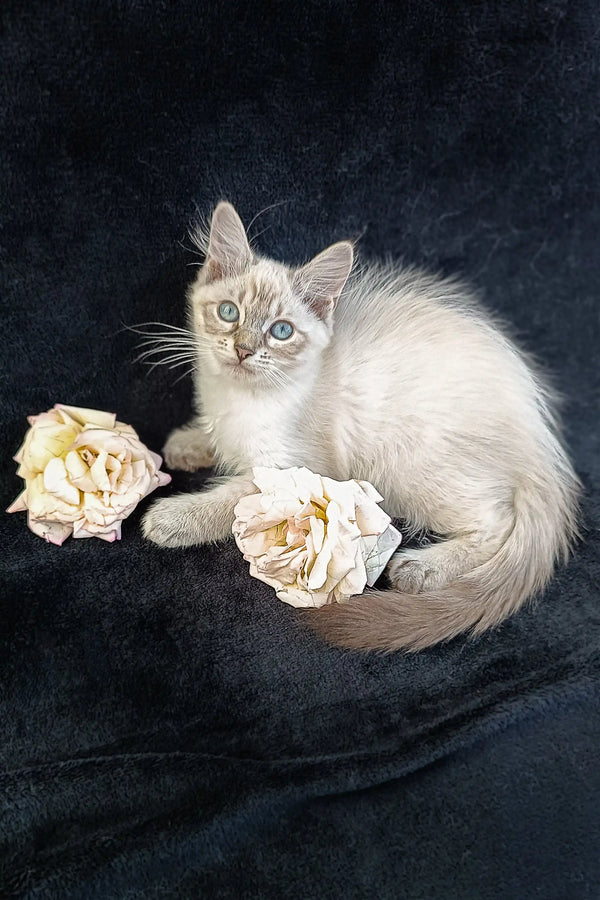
x=313, y=539
x=84, y=473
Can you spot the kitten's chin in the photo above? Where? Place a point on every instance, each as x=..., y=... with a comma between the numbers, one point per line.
x=243, y=373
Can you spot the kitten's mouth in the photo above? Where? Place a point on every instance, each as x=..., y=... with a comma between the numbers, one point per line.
x=241, y=370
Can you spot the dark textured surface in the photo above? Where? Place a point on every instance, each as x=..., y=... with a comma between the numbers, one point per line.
x=167, y=729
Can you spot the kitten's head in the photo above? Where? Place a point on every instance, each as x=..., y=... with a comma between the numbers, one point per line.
x=258, y=321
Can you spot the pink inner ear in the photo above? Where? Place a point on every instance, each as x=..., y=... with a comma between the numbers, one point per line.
x=214, y=270
x=321, y=306
x=322, y=279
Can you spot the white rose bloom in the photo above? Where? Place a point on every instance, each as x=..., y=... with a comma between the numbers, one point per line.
x=84, y=473
x=313, y=539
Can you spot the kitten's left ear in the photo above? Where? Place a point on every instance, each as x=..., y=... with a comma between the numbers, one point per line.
x=320, y=282
x=228, y=249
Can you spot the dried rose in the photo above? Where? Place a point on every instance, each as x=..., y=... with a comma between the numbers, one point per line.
x=84, y=473
x=313, y=539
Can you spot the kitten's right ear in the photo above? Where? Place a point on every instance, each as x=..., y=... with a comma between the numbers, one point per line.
x=228, y=249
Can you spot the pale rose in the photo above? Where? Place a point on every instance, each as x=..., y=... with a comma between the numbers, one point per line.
x=313, y=539
x=84, y=473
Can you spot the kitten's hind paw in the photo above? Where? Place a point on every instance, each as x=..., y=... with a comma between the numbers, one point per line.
x=409, y=573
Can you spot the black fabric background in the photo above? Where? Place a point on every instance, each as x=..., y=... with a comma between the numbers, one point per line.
x=167, y=728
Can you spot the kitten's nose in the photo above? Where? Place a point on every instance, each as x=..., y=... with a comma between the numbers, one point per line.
x=243, y=352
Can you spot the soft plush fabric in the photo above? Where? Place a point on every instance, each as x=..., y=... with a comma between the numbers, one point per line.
x=167, y=727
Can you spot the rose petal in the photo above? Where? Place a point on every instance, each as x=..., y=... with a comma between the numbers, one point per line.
x=122, y=428
x=123, y=505
x=45, y=506
x=138, y=467
x=101, y=439
x=18, y=505
x=80, y=529
x=94, y=509
x=110, y=536
x=342, y=493
x=78, y=472
x=113, y=469
x=44, y=418
x=368, y=489
x=156, y=459
x=258, y=543
x=18, y=457
x=318, y=571
x=317, y=530
x=301, y=598
x=370, y=518
x=354, y=580
x=262, y=576
x=294, y=534
x=98, y=472
x=84, y=416
x=56, y=482
x=282, y=564
x=259, y=516
x=376, y=552
x=52, y=532
x=43, y=442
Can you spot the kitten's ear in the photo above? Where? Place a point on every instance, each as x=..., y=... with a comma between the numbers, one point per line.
x=320, y=281
x=228, y=248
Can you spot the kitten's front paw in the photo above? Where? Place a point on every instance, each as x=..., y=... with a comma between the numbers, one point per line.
x=168, y=523
x=188, y=449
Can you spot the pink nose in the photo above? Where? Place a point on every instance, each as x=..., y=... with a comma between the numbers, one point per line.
x=243, y=352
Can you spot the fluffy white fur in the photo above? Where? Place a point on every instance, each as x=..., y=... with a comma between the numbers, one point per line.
x=409, y=385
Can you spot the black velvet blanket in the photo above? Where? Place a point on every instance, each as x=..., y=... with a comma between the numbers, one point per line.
x=168, y=728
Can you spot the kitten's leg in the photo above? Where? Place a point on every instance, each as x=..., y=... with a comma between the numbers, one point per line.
x=188, y=448
x=428, y=568
x=199, y=518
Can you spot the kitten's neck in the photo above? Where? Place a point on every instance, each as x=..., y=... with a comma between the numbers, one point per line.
x=253, y=425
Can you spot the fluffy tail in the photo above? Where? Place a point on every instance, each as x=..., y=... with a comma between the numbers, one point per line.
x=545, y=526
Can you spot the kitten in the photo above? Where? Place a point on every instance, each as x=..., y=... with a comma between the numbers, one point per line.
x=410, y=386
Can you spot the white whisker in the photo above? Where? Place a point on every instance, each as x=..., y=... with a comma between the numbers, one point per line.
x=159, y=346
x=160, y=325
x=166, y=345
x=152, y=356
x=185, y=357
x=169, y=336
x=266, y=209
x=185, y=374
x=155, y=365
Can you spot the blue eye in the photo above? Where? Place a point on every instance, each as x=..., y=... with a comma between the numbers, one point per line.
x=281, y=330
x=229, y=312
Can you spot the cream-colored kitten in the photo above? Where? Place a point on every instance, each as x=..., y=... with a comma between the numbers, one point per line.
x=409, y=385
